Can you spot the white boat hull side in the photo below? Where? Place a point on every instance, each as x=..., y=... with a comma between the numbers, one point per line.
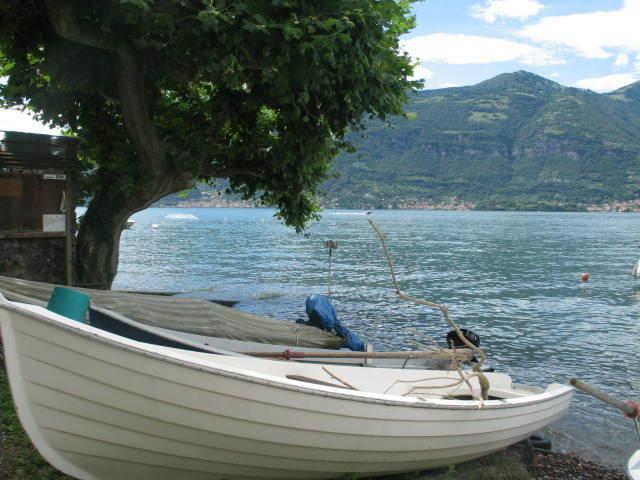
x=94, y=408
x=633, y=468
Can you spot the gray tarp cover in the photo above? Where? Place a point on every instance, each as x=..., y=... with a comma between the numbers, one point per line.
x=184, y=314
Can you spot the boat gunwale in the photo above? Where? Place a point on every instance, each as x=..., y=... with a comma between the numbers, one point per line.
x=244, y=374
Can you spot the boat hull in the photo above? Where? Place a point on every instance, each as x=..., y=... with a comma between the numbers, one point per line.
x=99, y=407
x=633, y=466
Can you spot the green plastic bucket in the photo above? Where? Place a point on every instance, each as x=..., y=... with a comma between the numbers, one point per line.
x=69, y=303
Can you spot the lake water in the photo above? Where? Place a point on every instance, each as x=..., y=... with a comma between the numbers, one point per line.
x=514, y=278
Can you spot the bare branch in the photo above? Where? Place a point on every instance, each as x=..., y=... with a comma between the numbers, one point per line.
x=484, y=382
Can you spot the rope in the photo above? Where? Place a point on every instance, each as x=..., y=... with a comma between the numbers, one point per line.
x=482, y=379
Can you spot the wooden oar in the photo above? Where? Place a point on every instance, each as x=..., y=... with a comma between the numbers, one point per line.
x=462, y=354
x=630, y=408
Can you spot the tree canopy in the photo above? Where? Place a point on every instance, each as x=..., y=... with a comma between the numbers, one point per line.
x=161, y=93
x=258, y=91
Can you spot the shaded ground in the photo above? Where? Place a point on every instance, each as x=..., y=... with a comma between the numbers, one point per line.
x=519, y=462
x=20, y=461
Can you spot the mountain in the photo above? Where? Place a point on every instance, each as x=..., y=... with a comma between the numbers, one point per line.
x=515, y=141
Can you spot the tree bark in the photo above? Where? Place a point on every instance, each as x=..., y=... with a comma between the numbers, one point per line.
x=98, y=245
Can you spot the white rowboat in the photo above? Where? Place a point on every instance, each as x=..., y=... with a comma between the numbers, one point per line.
x=99, y=406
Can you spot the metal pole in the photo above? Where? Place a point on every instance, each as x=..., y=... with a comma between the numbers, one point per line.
x=331, y=245
x=461, y=354
x=629, y=408
x=69, y=231
x=330, y=256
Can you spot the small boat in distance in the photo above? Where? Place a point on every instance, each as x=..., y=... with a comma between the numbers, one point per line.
x=129, y=223
x=181, y=216
x=97, y=404
x=368, y=212
x=636, y=270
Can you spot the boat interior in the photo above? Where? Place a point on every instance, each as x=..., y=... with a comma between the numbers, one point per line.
x=426, y=384
x=422, y=384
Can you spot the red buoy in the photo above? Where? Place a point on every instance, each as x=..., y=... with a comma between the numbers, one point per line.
x=585, y=277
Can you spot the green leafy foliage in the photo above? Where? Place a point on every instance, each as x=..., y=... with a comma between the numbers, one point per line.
x=516, y=141
x=261, y=92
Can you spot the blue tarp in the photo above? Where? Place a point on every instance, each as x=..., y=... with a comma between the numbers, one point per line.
x=322, y=315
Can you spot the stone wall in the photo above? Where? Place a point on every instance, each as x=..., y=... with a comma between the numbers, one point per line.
x=38, y=259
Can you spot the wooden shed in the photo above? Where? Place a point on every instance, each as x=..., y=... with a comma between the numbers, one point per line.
x=37, y=206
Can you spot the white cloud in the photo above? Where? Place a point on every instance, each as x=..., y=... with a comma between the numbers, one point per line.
x=622, y=60
x=18, y=121
x=554, y=75
x=420, y=72
x=492, y=10
x=599, y=34
x=460, y=49
x=608, y=82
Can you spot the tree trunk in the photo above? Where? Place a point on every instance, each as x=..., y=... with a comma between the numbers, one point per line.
x=98, y=245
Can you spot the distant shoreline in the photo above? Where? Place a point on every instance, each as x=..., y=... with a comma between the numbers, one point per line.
x=618, y=207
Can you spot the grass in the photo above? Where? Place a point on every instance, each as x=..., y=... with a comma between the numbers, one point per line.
x=19, y=460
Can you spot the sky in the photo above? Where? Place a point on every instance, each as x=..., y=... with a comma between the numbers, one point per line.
x=592, y=44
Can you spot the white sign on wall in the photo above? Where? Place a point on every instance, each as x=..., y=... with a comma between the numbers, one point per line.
x=54, y=176
x=54, y=223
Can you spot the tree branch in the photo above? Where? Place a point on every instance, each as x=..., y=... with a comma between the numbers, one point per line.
x=135, y=113
x=226, y=172
x=131, y=92
x=61, y=14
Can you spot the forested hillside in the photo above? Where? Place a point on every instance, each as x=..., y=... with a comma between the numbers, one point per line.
x=517, y=140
